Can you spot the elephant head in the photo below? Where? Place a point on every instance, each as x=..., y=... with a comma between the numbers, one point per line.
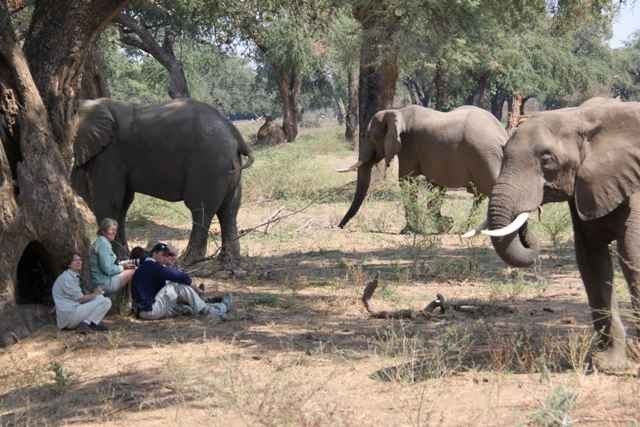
x=382, y=141
x=589, y=155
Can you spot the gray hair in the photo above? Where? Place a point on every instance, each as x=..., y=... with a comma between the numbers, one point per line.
x=106, y=224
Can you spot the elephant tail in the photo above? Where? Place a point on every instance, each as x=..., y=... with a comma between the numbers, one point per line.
x=250, y=160
x=243, y=149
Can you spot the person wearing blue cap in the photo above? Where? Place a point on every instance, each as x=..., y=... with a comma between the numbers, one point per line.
x=160, y=291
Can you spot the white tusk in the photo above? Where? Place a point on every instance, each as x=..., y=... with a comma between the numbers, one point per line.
x=351, y=168
x=511, y=228
x=476, y=230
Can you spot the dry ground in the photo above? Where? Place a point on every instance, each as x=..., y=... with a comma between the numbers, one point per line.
x=302, y=351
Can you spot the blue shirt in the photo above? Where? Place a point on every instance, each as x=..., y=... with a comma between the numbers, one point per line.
x=149, y=278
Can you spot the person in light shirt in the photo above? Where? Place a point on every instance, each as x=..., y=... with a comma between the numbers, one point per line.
x=74, y=309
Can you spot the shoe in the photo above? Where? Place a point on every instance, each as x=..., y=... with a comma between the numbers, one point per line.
x=98, y=327
x=213, y=300
x=84, y=328
x=228, y=301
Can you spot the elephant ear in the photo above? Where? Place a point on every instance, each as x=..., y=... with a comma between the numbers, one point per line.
x=395, y=126
x=96, y=130
x=610, y=171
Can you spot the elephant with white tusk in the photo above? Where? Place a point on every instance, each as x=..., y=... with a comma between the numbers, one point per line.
x=181, y=150
x=460, y=148
x=588, y=156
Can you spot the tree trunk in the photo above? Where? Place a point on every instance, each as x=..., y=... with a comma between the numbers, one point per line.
x=289, y=88
x=94, y=83
x=351, y=119
x=378, y=61
x=42, y=221
x=497, y=103
x=144, y=40
x=56, y=45
x=478, y=95
x=441, y=85
x=515, y=111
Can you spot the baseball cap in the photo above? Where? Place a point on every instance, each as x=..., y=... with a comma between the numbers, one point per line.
x=162, y=247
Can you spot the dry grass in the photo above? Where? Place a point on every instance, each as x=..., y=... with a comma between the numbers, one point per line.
x=303, y=351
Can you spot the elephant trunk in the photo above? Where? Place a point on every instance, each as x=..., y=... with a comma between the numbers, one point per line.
x=520, y=248
x=364, y=179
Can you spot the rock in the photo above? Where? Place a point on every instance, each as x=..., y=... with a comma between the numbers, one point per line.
x=270, y=133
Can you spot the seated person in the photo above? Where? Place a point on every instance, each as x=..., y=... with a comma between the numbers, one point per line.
x=106, y=272
x=73, y=309
x=160, y=291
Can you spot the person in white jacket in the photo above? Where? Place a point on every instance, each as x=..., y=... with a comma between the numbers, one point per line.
x=74, y=309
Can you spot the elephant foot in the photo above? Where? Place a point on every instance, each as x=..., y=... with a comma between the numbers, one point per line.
x=613, y=361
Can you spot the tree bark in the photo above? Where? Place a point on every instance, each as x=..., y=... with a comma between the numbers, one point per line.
x=441, y=85
x=56, y=46
x=351, y=118
x=42, y=221
x=497, y=103
x=165, y=55
x=378, y=60
x=515, y=112
x=94, y=82
x=289, y=84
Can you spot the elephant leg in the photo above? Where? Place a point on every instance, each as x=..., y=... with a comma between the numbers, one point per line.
x=478, y=198
x=410, y=201
x=596, y=270
x=434, y=205
x=227, y=215
x=121, y=238
x=200, y=223
x=630, y=263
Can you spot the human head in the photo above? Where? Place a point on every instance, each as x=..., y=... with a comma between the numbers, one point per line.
x=75, y=262
x=108, y=228
x=137, y=252
x=161, y=252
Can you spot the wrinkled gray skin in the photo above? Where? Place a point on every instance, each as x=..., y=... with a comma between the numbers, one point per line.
x=588, y=156
x=450, y=149
x=181, y=150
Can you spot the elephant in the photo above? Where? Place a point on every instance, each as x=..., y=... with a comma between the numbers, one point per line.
x=460, y=148
x=179, y=150
x=589, y=157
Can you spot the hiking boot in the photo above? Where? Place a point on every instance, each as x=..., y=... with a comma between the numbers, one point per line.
x=98, y=327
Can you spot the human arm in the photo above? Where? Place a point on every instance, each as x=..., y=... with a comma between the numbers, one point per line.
x=174, y=275
x=91, y=296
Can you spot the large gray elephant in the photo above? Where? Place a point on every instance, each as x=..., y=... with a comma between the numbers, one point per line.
x=452, y=150
x=181, y=150
x=588, y=156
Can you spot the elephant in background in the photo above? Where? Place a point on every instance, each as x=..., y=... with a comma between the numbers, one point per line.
x=180, y=150
x=460, y=148
x=588, y=156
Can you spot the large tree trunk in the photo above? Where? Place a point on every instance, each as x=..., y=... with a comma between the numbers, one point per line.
x=289, y=83
x=42, y=221
x=94, y=82
x=57, y=43
x=135, y=35
x=351, y=118
x=378, y=60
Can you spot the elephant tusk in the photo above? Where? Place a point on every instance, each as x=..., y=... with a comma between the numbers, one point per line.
x=351, y=168
x=476, y=230
x=511, y=228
